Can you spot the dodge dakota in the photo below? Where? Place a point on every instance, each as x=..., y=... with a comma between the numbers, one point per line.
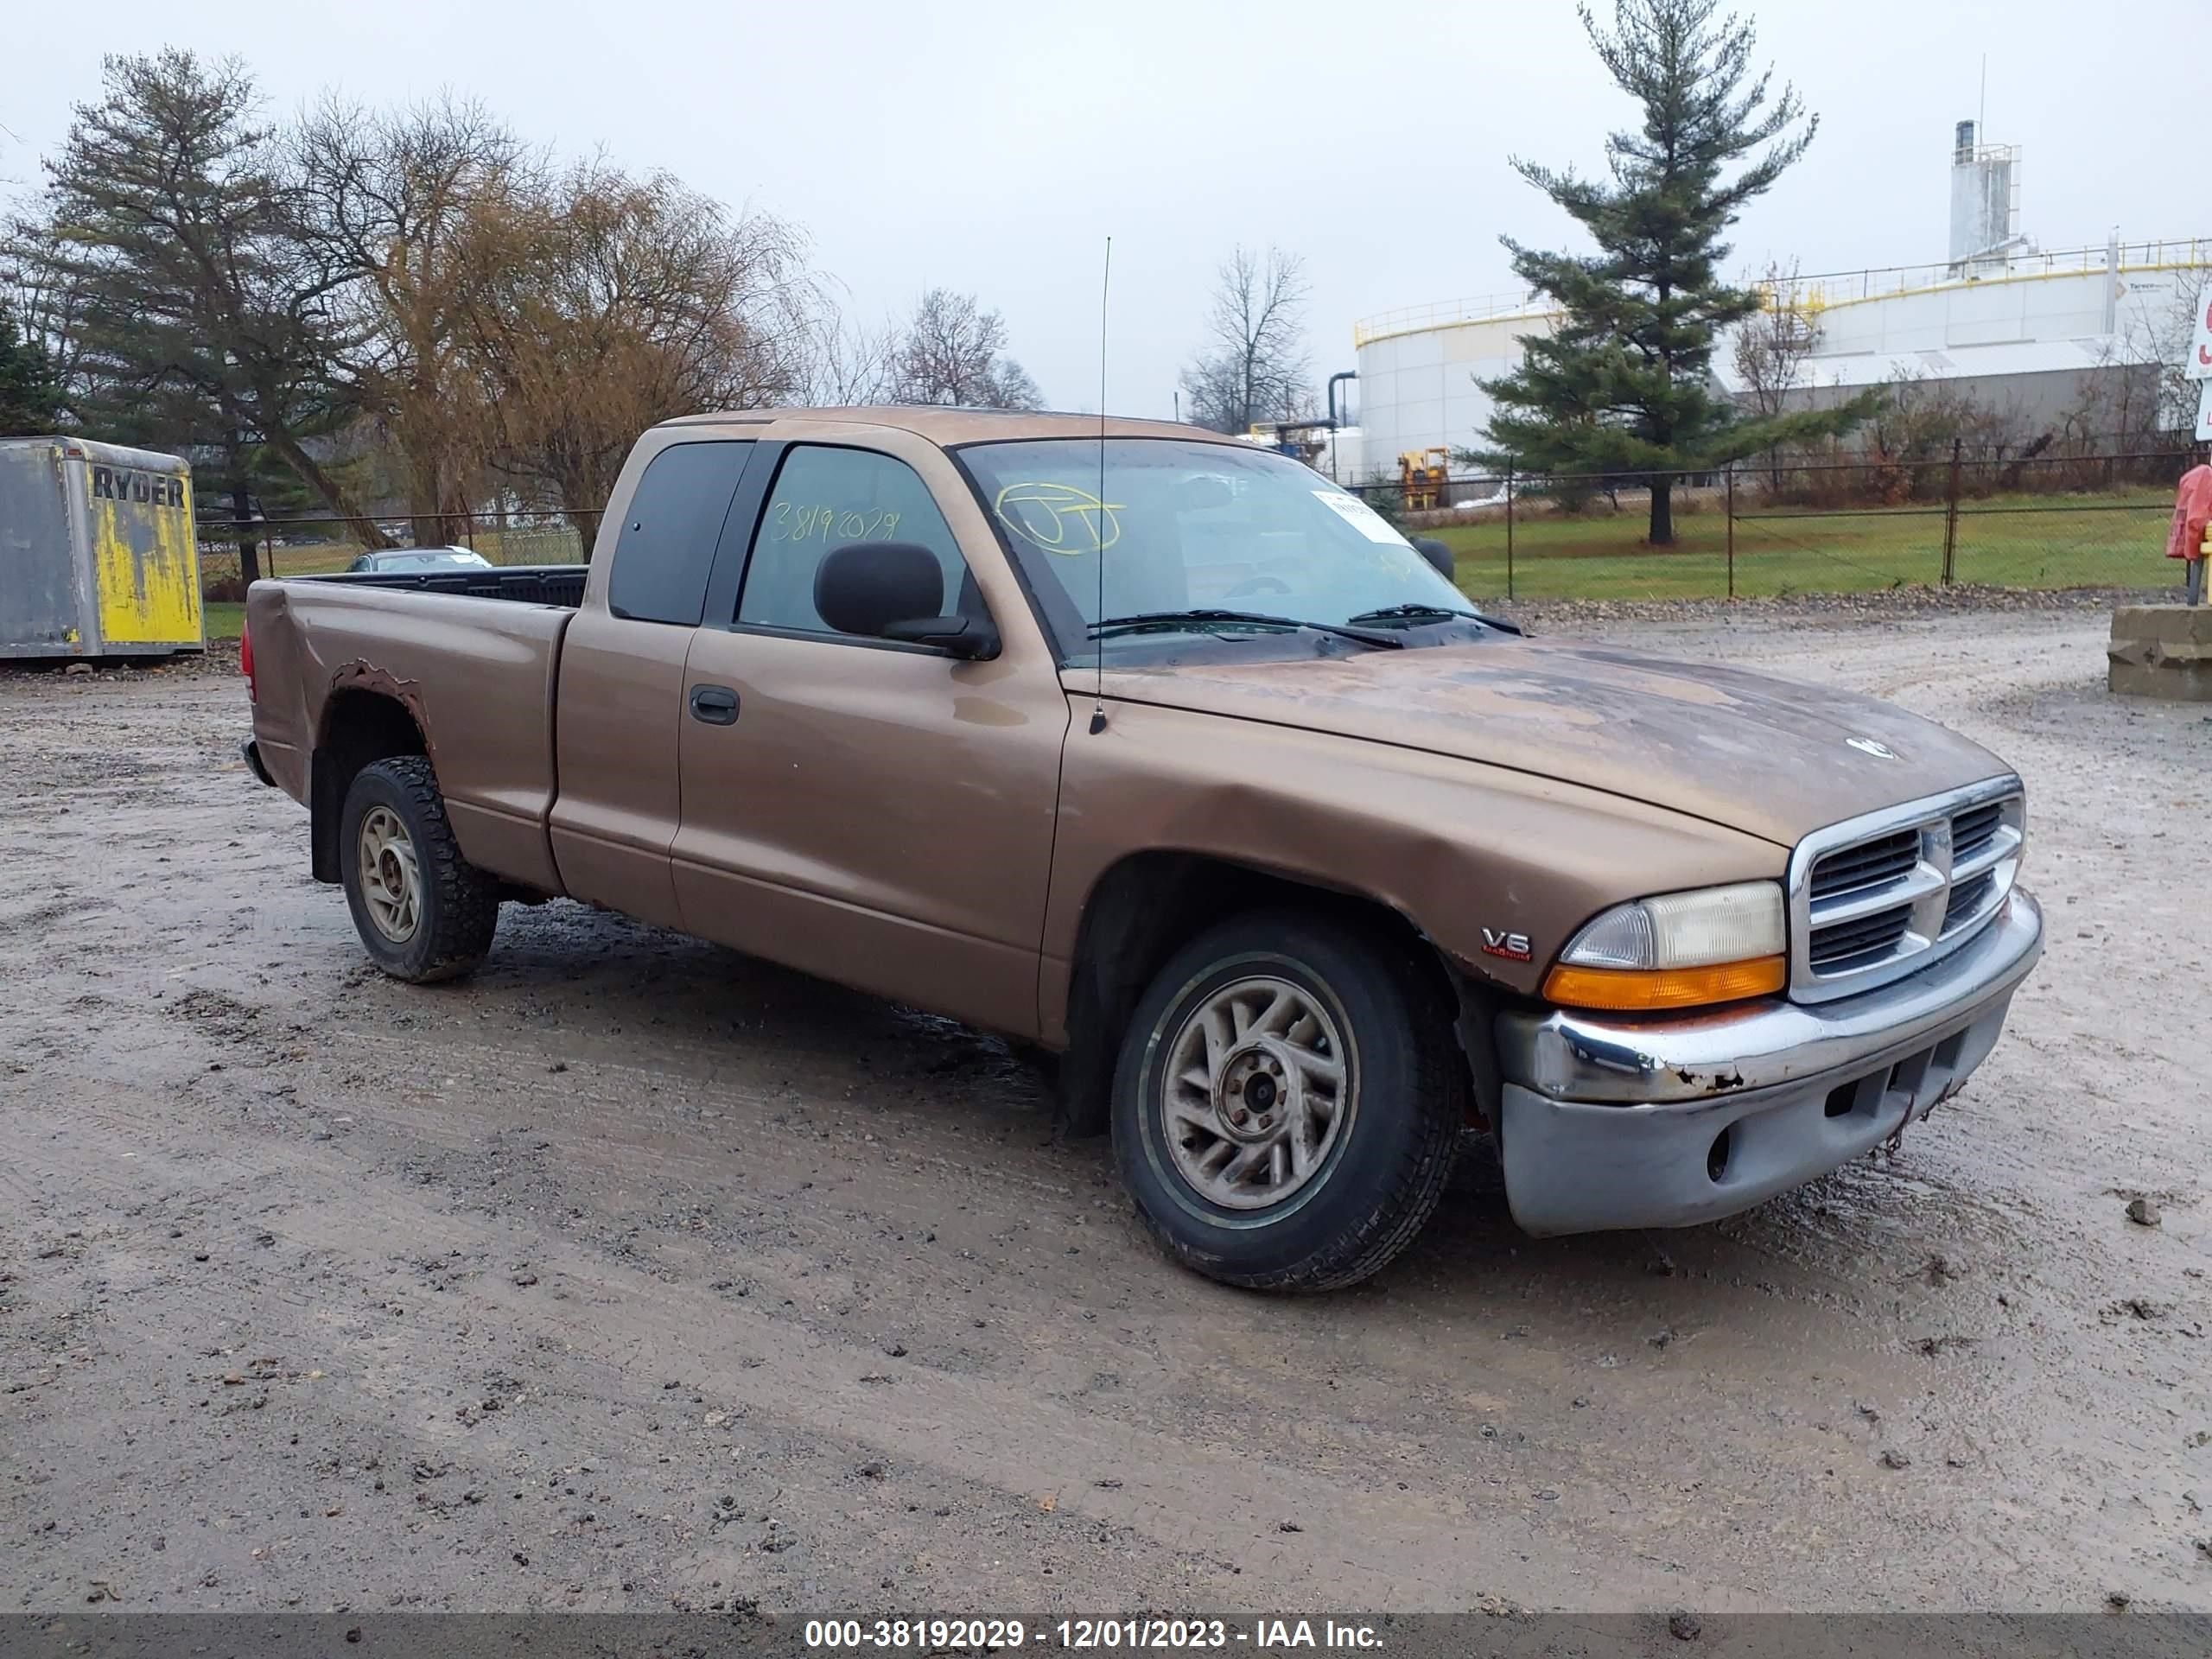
x=1162, y=753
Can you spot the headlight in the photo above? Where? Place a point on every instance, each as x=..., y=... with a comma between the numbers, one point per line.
x=1678, y=951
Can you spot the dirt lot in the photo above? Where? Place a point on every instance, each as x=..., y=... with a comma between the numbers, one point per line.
x=635, y=1275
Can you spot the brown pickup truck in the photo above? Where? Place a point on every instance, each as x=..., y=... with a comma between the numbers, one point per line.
x=1162, y=753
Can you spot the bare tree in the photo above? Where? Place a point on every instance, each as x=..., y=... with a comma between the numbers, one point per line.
x=2134, y=395
x=1772, y=346
x=2157, y=331
x=1254, y=367
x=1920, y=417
x=391, y=201
x=2123, y=399
x=603, y=303
x=952, y=351
x=847, y=363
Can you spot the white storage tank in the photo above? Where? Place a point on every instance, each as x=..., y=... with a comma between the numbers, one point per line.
x=2028, y=337
x=1419, y=369
x=2024, y=331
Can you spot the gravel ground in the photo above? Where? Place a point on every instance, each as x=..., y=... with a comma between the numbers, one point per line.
x=632, y=1274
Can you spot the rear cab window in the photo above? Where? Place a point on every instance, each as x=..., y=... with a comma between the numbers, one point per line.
x=665, y=548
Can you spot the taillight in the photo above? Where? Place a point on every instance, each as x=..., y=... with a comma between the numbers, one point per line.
x=245, y=663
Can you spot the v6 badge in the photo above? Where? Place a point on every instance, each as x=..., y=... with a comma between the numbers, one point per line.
x=1514, y=947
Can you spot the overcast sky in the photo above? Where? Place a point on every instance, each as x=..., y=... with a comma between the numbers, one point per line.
x=994, y=146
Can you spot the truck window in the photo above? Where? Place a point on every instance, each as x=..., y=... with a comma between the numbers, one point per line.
x=825, y=498
x=667, y=542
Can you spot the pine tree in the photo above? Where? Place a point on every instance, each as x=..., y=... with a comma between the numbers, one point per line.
x=201, y=313
x=30, y=391
x=1623, y=385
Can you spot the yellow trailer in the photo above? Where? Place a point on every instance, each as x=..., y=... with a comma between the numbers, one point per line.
x=98, y=556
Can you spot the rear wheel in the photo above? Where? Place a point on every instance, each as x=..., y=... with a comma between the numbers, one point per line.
x=1288, y=1102
x=422, y=911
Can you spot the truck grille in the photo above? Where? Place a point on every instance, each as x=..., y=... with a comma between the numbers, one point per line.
x=1837, y=947
x=1869, y=865
x=1876, y=897
x=1972, y=828
x=1967, y=897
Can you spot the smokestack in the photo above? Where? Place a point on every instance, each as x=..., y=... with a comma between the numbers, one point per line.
x=1981, y=195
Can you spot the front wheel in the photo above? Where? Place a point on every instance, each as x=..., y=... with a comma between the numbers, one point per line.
x=1288, y=1102
x=423, y=912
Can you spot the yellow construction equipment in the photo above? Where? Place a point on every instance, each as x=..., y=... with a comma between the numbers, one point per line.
x=1420, y=477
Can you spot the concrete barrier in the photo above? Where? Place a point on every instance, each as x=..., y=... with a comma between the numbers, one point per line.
x=2161, y=651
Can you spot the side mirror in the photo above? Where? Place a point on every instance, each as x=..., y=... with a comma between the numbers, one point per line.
x=895, y=590
x=1437, y=553
x=864, y=586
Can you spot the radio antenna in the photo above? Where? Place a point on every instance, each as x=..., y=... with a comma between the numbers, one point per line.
x=1098, y=513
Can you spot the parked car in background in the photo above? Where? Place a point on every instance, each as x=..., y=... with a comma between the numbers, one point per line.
x=419, y=558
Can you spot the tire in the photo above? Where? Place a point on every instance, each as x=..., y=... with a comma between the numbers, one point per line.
x=446, y=930
x=1380, y=1142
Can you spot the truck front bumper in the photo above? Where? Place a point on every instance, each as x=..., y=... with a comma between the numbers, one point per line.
x=1609, y=1120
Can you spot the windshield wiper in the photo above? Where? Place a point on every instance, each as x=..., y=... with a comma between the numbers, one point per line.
x=1393, y=613
x=1430, y=613
x=1253, y=619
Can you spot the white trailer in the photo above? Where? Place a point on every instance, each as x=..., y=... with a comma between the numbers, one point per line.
x=98, y=556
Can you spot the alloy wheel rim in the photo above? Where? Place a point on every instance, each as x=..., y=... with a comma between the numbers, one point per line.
x=390, y=876
x=1256, y=1092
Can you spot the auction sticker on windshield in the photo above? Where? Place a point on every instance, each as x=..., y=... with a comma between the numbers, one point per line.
x=1361, y=517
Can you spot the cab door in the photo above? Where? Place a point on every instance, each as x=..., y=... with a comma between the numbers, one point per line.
x=876, y=813
x=619, y=708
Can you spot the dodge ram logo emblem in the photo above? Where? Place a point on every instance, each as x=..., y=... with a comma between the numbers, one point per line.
x=1868, y=746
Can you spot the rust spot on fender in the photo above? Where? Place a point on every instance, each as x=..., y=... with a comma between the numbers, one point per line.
x=361, y=675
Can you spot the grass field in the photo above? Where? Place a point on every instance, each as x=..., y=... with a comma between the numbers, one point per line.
x=2037, y=541
x=2116, y=541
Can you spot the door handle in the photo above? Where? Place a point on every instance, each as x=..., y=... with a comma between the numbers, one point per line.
x=715, y=704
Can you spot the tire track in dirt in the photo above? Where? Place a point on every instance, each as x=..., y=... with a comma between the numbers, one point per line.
x=630, y=1329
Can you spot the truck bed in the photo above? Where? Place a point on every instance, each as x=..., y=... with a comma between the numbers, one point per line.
x=528, y=584
x=471, y=656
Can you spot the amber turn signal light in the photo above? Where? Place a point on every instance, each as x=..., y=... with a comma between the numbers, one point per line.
x=1626, y=989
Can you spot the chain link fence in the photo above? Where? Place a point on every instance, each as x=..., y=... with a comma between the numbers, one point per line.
x=1762, y=528
x=1782, y=526
x=319, y=545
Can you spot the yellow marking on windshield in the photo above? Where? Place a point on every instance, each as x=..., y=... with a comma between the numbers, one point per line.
x=1060, y=517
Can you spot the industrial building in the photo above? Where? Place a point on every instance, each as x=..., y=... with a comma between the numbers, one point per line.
x=2024, y=332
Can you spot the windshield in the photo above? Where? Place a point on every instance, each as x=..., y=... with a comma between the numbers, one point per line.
x=1183, y=527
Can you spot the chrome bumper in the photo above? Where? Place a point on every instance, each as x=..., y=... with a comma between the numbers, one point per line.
x=1613, y=1120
